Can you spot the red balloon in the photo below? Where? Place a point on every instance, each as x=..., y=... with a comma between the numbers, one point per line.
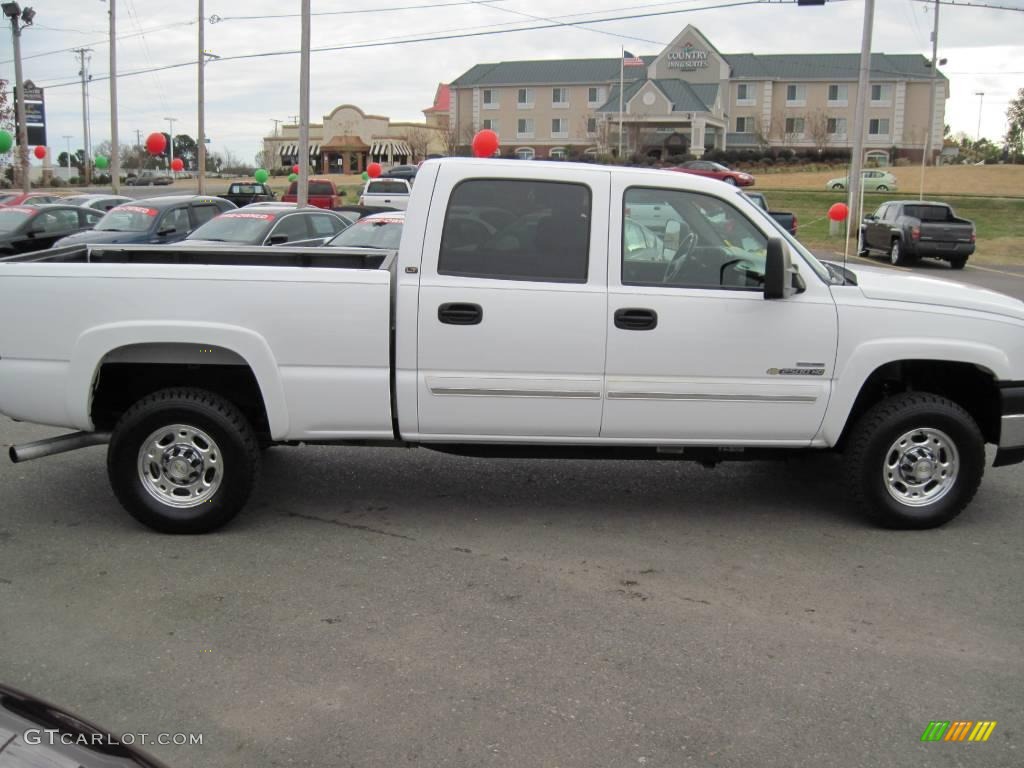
x=373, y=170
x=838, y=212
x=177, y=164
x=295, y=168
x=40, y=152
x=485, y=143
x=156, y=143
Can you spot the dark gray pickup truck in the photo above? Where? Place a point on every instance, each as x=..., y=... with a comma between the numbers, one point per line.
x=906, y=230
x=786, y=219
x=243, y=193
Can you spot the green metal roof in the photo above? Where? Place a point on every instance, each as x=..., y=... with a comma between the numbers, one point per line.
x=753, y=66
x=684, y=96
x=827, y=66
x=552, y=71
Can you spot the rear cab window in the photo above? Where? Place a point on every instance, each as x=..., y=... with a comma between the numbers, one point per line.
x=387, y=188
x=546, y=239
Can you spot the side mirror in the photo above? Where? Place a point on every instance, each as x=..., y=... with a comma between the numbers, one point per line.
x=166, y=231
x=33, y=231
x=277, y=239
x=781, y=277
x=673, y=229
x=870, y=217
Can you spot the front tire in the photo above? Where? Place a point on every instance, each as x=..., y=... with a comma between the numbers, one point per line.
x=915, y=461
x=881, y=188
x=730, y=181
x=183, y=460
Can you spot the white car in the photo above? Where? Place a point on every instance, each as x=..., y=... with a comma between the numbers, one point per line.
x=535, y=331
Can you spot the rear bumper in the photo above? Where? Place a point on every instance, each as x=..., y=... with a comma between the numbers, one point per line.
x=943, y=250
x=1011, y=424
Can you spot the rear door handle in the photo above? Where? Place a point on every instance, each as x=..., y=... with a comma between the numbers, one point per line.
x=460, y=313
x=634, y=319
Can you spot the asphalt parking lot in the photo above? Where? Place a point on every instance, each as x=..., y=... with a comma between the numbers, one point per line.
x=377, y=607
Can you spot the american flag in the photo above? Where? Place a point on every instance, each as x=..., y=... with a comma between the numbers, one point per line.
x=629, y=60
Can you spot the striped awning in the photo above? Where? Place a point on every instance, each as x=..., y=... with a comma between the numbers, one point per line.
x=291, y=150
x=389, y=147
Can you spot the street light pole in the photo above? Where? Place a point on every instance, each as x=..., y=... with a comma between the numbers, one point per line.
x=87, y=148
x=171, y=121
x=981, y=101
x=14, y=13
x=201, y=150
x=855, y=214
x=930, y=128
x=303, y=189
x=115, y=145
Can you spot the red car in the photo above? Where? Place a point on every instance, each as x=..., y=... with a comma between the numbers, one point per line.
x=716, y=171
x=31, y=198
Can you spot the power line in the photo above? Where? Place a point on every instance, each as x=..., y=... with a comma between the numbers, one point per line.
x=216, y=19
x=105, y=41
x=963, y=4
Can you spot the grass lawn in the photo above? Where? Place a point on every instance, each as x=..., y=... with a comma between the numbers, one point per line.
x=989, y=180
x=999, y=220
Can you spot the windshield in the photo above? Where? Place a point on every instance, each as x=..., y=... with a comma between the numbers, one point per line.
x=128, y=218
x=12, y=218
x=78, y=199
x=6, y=198
x=372, y=232
x=235, y=228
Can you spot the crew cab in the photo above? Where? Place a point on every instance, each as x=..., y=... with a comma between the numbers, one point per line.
x=391, y=193
x=322, y=193
x=906, y=230
x=535, y=333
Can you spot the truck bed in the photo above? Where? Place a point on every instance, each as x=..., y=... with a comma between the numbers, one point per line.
x=313, y=326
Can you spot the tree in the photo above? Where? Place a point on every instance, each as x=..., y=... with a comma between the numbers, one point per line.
x=185, y=147
x=418, y=140
x=1015, y=117
x=816, y=128
x=6, y=108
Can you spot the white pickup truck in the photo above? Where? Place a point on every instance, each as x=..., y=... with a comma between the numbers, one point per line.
x=386, y=193
x=513, y=322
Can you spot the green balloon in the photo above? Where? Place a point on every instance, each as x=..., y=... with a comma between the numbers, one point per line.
x=366, y=176
x=293, y=177
x=6, y=142
x=101, y=162
x=261, y=175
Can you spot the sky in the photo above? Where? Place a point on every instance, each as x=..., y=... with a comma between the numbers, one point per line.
x=983, y=46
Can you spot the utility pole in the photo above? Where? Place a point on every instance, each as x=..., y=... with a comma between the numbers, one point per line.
x=67, y=141
x=303, y=186
x=276, y=123
x=14, y=13
x=855, y=202
x=201, y=150
x=87, y=149
x=138, y=148
x=981, y=101
x=931, y=103
x=170, y=144
x=115, y=145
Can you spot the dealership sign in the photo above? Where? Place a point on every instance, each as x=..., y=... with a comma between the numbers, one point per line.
x=688, y=57
x=35, y=114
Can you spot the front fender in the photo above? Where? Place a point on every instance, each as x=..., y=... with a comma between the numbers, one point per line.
x=97, y=342
x=869, y=356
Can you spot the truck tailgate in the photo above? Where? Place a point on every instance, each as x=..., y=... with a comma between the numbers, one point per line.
x=317, y=339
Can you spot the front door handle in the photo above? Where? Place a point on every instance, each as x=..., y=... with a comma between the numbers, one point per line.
x=460, y=313
x=633, y=319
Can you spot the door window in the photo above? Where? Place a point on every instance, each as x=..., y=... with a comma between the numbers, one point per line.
x=91, y=218
x=176, y=219
x=52, y=222
x=547, y=238
x=292, y=226
x=203, y=213
x=325, y=225
x=717, y=246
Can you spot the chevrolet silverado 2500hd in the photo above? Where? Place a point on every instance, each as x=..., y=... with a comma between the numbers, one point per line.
x=533, y=332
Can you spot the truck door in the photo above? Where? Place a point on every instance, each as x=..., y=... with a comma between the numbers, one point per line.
x=695, y=353
x=512, y=303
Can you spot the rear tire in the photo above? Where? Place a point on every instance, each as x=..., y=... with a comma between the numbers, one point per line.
x=881, y=188
x=958, y=263
x=915, y=461
x=838, y=187
x=183, y=460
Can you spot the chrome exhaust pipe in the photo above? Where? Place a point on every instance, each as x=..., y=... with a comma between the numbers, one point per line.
x=59, y=444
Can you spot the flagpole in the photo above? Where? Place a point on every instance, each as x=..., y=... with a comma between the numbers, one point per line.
x=622, y=82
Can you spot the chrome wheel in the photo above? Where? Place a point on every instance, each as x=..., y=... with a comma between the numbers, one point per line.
x=180, y=466
x=894, y=255
x=921, y=467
